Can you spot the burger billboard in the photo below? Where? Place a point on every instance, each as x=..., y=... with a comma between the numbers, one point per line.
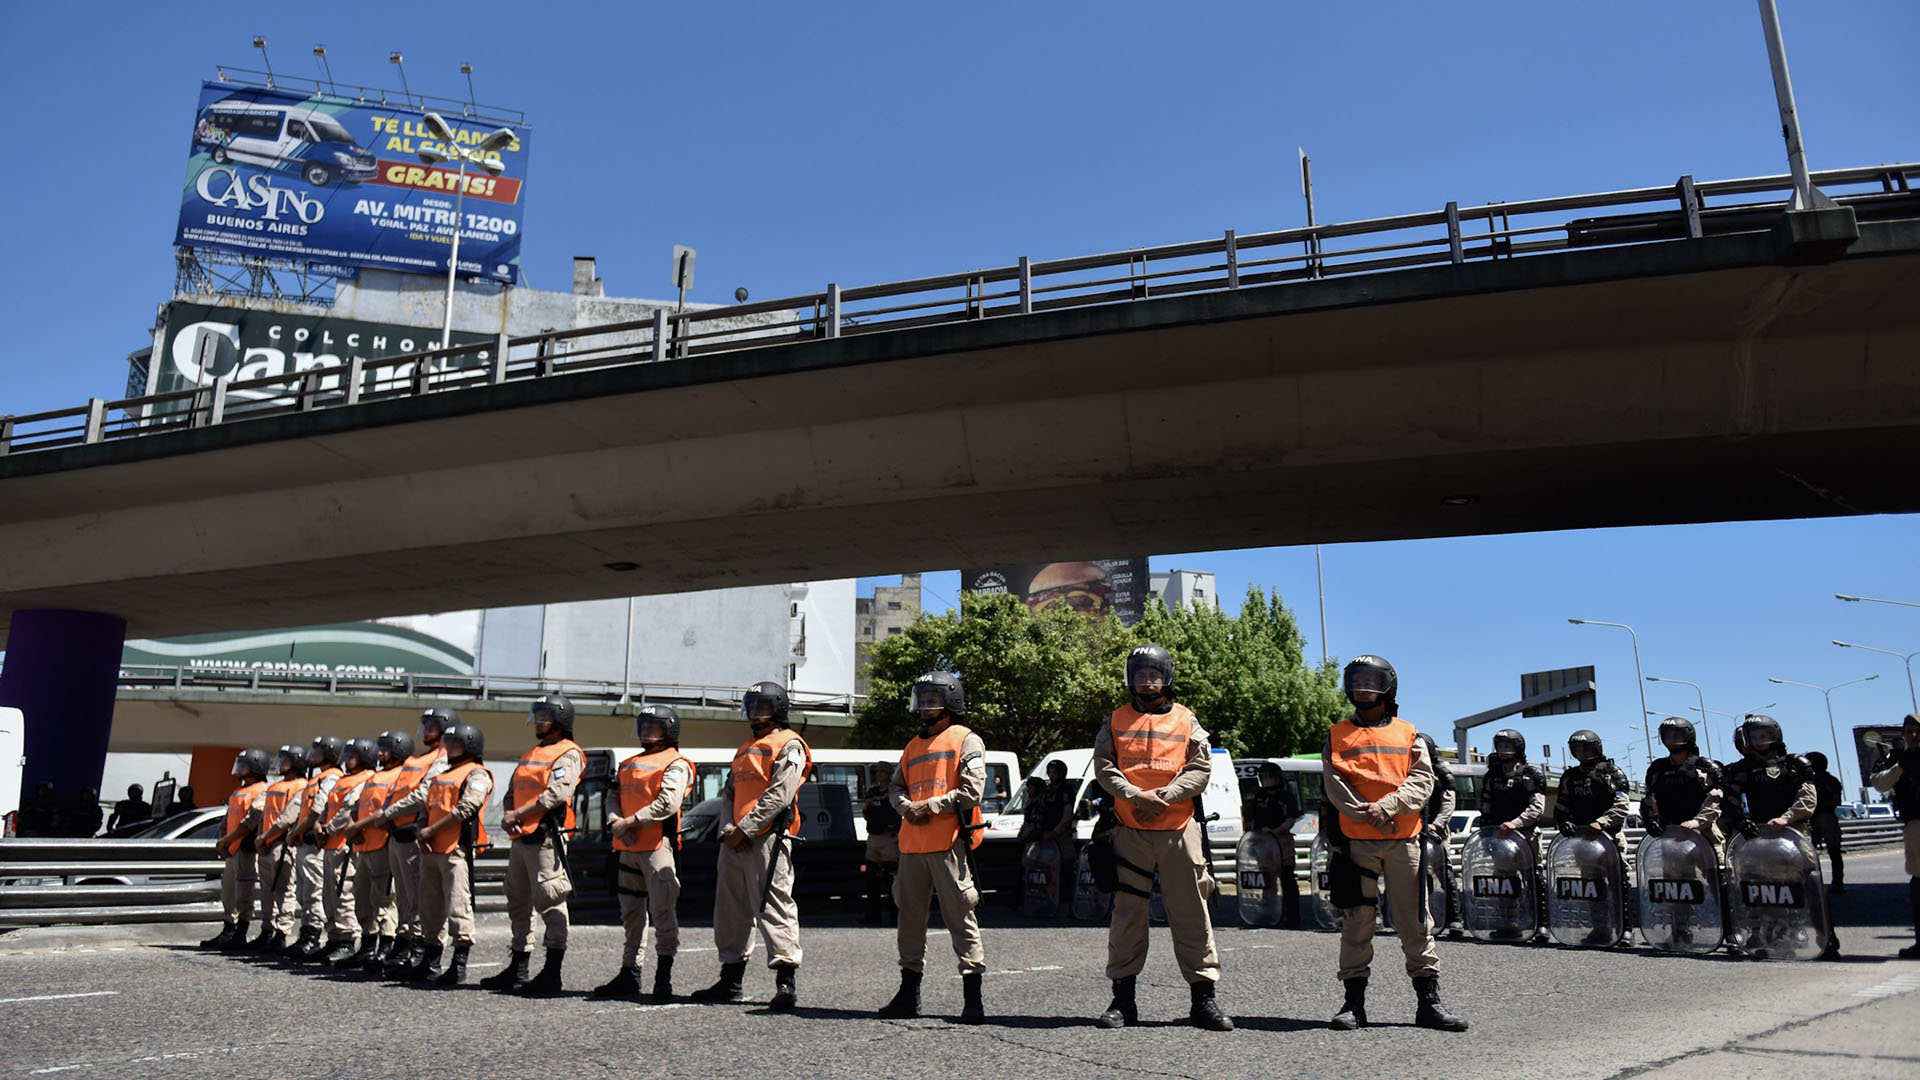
x=1117, y=587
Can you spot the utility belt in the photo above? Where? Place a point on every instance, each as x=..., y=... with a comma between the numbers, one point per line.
x=406, y=834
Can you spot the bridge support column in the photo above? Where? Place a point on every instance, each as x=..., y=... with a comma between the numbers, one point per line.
x=63, y=670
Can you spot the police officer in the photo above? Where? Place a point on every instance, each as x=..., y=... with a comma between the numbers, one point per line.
x=883, y=845
x=240, y=874
x=304, y=840
x=279, y=806
x=645, y=823
x=1378, y=778
x=1826, y=818
x=374, y=903
x=453, y=831
x=1594, y=796
x=1057, y=822
x=754, y=880
x=1684, y=789
x=937, y=791
x=1437, y=828
x=1772, y=790
x=402, y=817
x=538, y=814
x=1152, y=754
x=1273, y=810
x=343, y=922
x=1513, y=795
x=1897, y=771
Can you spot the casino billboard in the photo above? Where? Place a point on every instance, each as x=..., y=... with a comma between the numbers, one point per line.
x=338, y=183
x=1118, y=587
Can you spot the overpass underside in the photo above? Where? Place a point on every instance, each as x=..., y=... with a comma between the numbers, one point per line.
x=1692, y=381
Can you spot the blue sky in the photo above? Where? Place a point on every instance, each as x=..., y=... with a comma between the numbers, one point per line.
x=796, y=145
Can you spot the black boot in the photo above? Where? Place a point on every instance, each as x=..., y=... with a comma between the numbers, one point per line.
x=1431, y=1013
x=222, y=939
x=1206, y=1011
x=511, y=977
x=785, y=995
x=269, y=943
x=1121, y=1012
x=238, y=939
x=302, y=946
x=377, y=960
x=314, y=944
x=548, y=981
x=973, y=1011
x=1353, y=1011
x=662, y=980
x=413, y=963
x=431, y=967
x=348, y=955
x=906, y=1000
x=456, y=972
x=729, y=987
x=624, y=985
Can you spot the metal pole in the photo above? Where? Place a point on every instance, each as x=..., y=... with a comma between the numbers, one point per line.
x=1833, y=733
x=1640, y=682
x=1905, y=658
x=1320, y=573
x=1804, y=196
x=1306, y=189
x=626, y=660
x=453, y=262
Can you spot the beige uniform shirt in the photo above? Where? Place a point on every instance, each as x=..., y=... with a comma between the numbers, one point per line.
x=973, y=783
x=1191, y=780
x=783, y=786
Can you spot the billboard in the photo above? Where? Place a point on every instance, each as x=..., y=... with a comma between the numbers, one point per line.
x=339, y=184
x=1118, y=587
x=422, y=645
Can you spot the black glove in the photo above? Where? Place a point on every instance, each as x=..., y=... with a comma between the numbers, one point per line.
x=1654, y=828
x=1749, y=828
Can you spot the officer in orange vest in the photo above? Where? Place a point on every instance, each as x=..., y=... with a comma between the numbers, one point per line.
x=402, y=818
x=372, y=864
x=1152, y=754
x=310, y=861
x=452, y=834
x=337, y=888
x=645, y=823
x=1377, y=777
x=279, y=806
x=538, y=815
x=239, y=875
x=754, y=880
x=937, y=790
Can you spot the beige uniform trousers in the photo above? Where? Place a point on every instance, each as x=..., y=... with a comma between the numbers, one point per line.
x=237, y=881
x=943, y=874
x=1175, y=855
x=310, y=866
x=403, y=857
x=649, y=888
x=446, y=898
x=336, y=892
x=742, y=878
x=537, y=885
x=1398, y=861
x=277, y=872
x=372, y=898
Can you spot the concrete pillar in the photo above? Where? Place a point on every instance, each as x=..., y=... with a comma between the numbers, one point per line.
x=63, y=670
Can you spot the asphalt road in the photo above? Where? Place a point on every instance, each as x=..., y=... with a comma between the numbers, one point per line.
x=141, y=1002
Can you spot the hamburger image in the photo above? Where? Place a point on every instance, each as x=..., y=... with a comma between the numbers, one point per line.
x=1081, y=586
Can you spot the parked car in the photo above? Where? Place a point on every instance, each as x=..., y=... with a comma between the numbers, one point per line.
x=1878, y=811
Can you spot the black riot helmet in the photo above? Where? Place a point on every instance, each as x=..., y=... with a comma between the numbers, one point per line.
x=1676, y=733
x=764, y=706
x=326, y=749
x=1270, y=770
x=1150, y=658
x=395, y=746
x=440, y=721
x=362, y=753
x=252, y=762
x=1584, y=746
x=464, y=742
x=1740, y=739
x=1366, y=673
x=293, y=761
x=662, y=715
x=1768, y=730
x=1508, y=739
x=1818, y=760
x=937, y=690
x=555, y=707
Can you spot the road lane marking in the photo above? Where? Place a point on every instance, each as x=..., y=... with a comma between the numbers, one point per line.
x=1899, y=984
x=61, y=1068
x=59, y=997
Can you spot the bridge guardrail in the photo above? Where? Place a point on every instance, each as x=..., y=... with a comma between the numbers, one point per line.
x=1453, y=235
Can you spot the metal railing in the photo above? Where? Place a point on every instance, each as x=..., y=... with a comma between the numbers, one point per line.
x=469, y=687
x=1453, y=235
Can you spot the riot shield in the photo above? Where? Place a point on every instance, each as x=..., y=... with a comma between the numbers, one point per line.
x=1779, y=901
x=1257, y=864
x=1678, y=874
x=1040, y=867
x=1433, y=862
x=1089, y=903
x=1497, y=878
x=1583, y=884
x=1324, y=913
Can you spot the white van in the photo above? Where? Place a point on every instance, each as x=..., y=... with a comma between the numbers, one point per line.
x=295, y=138
x=13, y=763
x=1222, y=801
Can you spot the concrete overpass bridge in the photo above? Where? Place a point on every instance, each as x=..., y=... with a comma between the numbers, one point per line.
x=1685, y=353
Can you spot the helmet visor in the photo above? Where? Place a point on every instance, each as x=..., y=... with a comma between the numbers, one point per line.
x=1673, y=738
x=539, y=711
x=757, y=709
x=1366, y=680
x=927, y=697
x=240, y=765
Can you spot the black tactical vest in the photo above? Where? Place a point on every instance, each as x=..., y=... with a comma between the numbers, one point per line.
x=1679, y=791
x=1588, y=791
x=1770, y=786
x=1506, y=796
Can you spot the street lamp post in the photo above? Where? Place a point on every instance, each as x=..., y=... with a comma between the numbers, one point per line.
x=1872, y=600
x=1704, y=726
x=485, y=154
x=1641, y=685
x=1906, y=658
x=1839, y=763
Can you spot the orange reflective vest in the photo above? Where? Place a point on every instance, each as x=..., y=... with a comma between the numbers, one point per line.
x=237, y=804
x=1151, y=749
x=443, y=794
x=343, y=792
x=640, y=779
x=753, y=773
x=373, y=798
x=530, y=779
x=1374, y=761
x=279, y=794
x=929, y=768
x=412, y=772
x=313, y=792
